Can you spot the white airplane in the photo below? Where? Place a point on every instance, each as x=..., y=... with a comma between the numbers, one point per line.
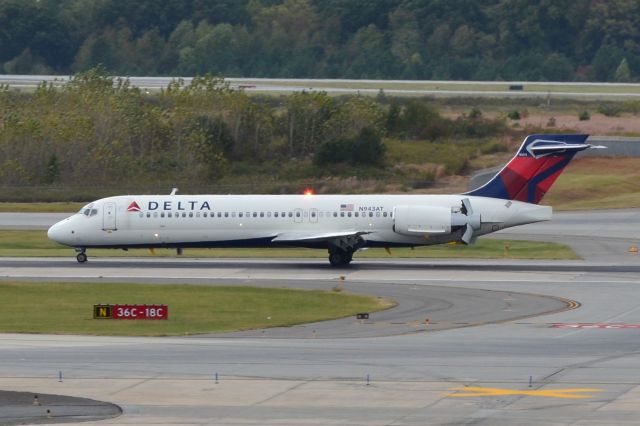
x=341, y=224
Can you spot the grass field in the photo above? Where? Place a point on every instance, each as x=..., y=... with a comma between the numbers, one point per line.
x=41, y=207
x=36, y=243
x=67, y=308
x=597, y=183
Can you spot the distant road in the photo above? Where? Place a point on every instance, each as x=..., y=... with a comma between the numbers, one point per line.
x=436, y=88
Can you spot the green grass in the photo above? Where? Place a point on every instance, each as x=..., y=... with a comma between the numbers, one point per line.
x=67, y=308
x=41, y=207
x=36, y=243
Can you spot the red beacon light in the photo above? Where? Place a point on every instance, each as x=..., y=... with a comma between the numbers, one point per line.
x=308, y=192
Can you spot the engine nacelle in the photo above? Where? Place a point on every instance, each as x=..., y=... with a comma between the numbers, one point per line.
x=421, y=220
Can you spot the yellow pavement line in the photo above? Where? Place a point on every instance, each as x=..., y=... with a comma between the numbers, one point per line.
x=577, y=393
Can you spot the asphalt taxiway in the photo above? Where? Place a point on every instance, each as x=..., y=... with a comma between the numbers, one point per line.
x=506, y=344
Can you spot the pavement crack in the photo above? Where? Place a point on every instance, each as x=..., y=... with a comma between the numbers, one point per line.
x=289, y=389
x=138, y=383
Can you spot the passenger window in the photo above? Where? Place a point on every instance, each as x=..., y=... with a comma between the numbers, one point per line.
x=162, y=214
x=349, y=214
x=240, y=214
x=341, y=214
x=275, y=214
x=268, y=214
x=233, y=214
x=297, y=214
x=155, y=214
x=226, y=214
x=204, y=214
x=290, y=214
x=169, y=214
x=198, y=214
x=184, y=214
x=357, y=214
x=255, y=214
x=219, y=214
x=261, y=214
x=384, y=214
x=370, y=214
x=335, y=214
x=148, y=214
x=190, y=214
x=313, y=214
x=283, y=214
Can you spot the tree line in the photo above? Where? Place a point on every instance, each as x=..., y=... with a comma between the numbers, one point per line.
x=559, y=40
x=100, y=131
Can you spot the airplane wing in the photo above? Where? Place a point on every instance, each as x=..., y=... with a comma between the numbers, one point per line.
x=311, y=237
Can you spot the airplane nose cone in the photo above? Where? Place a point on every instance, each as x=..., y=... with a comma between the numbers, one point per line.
x=59, y=233
x=54, y=232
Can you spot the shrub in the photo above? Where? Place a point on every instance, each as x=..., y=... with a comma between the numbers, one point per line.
x=610, y=110
x=584, y=116
x=514, y=115
x=366, y=148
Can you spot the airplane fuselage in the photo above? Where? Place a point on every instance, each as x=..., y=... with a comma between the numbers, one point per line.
x=280, y=220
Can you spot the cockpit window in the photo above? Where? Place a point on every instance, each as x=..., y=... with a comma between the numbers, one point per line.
x=88, y=210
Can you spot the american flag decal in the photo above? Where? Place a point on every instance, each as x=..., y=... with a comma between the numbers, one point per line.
x=346, y=207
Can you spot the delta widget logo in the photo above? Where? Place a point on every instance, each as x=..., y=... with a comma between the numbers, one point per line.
x=133, y=207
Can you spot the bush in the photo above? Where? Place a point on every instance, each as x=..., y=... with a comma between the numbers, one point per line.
x=584, y=116
x=365, y=149
x=492, y=147
x=475, y=113
x=417, y=120
x=513, y=115
x=610, y=110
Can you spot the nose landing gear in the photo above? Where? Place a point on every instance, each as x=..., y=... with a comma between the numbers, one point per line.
x=81, y=256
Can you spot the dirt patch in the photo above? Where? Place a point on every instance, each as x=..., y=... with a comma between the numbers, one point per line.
x=601, y=125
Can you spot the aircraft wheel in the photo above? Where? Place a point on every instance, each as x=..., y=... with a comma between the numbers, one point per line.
x=340, y=258
x=81, y=257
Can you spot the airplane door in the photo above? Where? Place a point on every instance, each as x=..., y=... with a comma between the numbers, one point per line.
x=109, y=217
x=297, y=215
x=313, y=215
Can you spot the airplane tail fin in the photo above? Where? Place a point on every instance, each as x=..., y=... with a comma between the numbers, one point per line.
x=535, y=167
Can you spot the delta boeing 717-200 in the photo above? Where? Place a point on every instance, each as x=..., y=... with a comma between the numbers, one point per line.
x=341, y=224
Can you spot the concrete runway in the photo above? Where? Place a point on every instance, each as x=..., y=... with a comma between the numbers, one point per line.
x=582, y=363
x=542, y=90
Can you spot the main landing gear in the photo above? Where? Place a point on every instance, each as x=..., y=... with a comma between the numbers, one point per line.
x=81, y=256
x=339, y=257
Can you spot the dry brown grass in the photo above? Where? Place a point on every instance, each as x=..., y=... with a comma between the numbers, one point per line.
x=627, y=124
x=597, y=183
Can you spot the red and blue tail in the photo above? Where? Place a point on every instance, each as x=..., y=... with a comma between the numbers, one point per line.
x=536, y=166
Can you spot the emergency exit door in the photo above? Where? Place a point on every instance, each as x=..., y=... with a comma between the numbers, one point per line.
x=109, y=217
